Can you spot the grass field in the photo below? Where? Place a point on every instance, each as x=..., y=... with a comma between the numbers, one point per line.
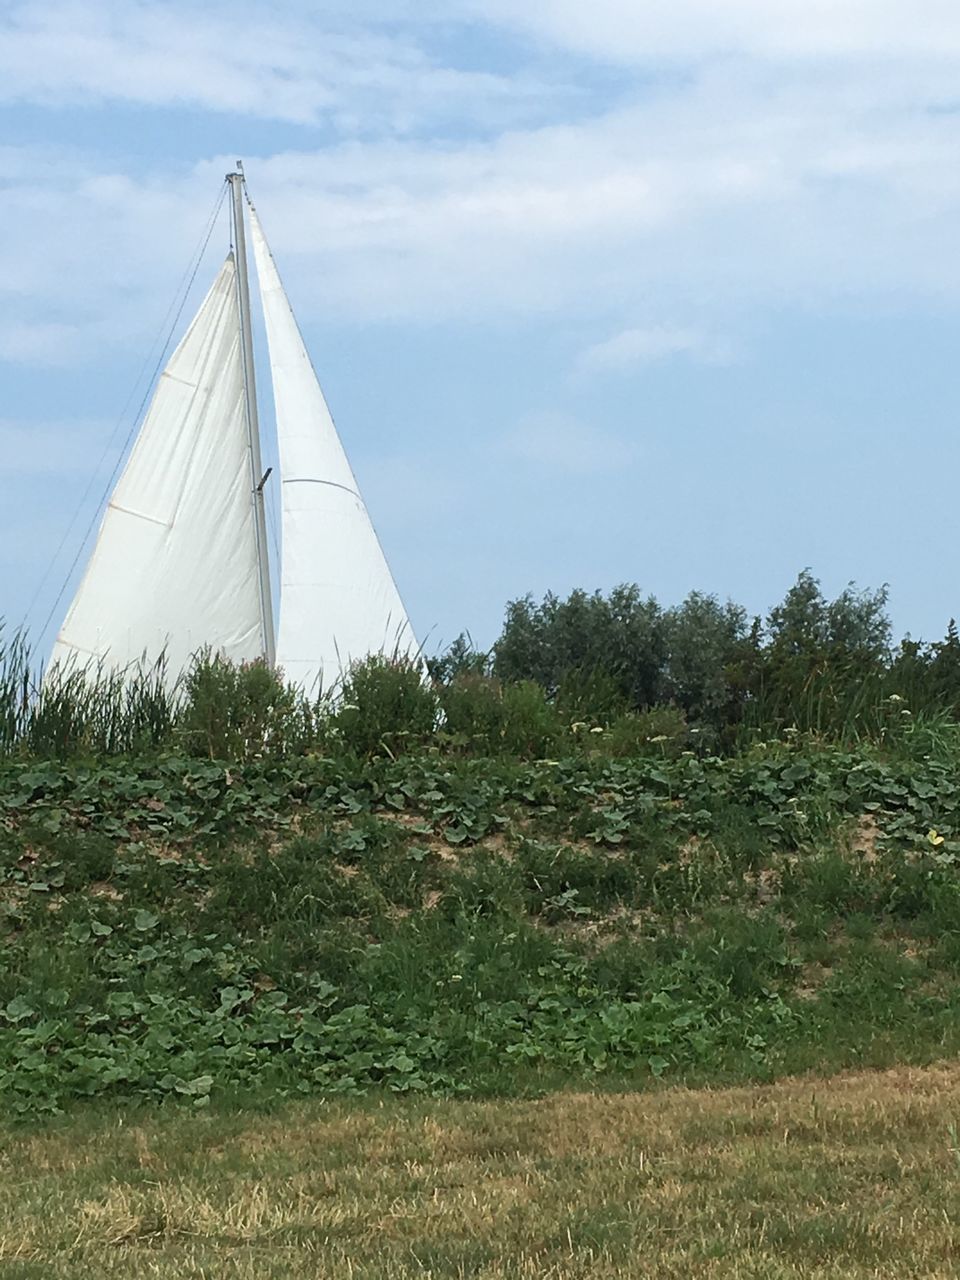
x=851, y=1177
x=216, y=978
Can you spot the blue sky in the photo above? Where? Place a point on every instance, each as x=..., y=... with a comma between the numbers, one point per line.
x=662, y=291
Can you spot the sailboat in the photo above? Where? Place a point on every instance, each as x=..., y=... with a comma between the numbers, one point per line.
x=181, y=561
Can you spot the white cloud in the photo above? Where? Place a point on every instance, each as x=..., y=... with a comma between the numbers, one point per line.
x=563, y=443
x=642, y=31
x=634, y=347
x=290, y=63
x=737, y=185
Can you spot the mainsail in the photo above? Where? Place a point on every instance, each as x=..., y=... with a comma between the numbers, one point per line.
x=174, y=568
x=338, y=600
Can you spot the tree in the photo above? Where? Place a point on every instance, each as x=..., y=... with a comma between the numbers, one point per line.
x=619, y=638
x=820, y=655
x=711, y=653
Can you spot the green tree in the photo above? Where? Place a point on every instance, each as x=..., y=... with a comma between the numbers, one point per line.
x=619, y=637
x=712, y=652
x=824, y=661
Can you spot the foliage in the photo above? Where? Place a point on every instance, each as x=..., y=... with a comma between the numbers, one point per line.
x=385, y=704
x=711, y=663
x=487, y=716
x=461, y=658
x=818, y=666
x=662, y=731
x=825, y=661
x=232, y=711
x=182, y=928
x=620, y=636
x=100, y=712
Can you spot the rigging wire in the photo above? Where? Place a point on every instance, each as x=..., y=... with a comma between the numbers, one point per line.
x=176, y=310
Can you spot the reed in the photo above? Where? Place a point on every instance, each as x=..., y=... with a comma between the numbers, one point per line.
x=384, y=706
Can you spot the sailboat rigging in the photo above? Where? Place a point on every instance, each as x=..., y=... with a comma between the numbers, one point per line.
x=181, y=561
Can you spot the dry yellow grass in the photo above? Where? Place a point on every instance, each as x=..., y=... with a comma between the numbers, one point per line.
x=858, y=1176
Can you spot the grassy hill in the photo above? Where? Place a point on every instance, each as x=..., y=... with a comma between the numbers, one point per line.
x=179, y=927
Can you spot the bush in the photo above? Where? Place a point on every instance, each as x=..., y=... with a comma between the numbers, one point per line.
x=459, y=659
x=516, y=719
x=235, y=712
x=660, y=732
x=532, y=727
x=385, y=706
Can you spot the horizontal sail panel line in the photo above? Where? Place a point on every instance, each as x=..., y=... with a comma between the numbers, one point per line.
x=141, y=515
x=333, y=484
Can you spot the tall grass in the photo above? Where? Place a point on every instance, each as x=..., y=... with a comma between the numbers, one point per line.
x=847, y=706
x=216, y=708
x=17, y=689
x=384, y=706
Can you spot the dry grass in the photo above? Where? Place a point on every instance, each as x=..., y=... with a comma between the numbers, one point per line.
x=853, y=1177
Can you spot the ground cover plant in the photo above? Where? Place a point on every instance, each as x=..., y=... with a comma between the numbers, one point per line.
x=844, y=1179
x=192, y=929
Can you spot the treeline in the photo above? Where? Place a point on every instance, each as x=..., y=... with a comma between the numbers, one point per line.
x=814, y=664
x=615, y=674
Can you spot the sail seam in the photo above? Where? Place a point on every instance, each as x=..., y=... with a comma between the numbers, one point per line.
x=332, y=483
x=141, y=515
x=183, y=382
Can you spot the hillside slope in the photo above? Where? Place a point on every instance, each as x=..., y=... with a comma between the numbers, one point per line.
x=191, y=929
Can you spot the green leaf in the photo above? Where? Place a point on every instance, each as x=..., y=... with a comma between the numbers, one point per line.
x=19, y=1009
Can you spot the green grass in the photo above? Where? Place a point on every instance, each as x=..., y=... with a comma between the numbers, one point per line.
x=844, y=1179
x=216, y=978
x=189, y=930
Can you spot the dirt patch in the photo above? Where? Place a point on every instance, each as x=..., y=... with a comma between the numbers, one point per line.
x=866, y=837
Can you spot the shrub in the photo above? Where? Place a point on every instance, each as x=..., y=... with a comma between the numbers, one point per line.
x=532, y=726
x=472, y=707
x=824, y=664
x=461, y=658
x=234, y=712
x=592, y=695
x=619, y=636
x=385, y=706
x=660, y=732
x=490, y=716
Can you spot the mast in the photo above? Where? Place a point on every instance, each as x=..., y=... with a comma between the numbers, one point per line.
x=257, y=476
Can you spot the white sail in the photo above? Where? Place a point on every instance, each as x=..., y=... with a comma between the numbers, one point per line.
x=338, y=600
x=174, y=568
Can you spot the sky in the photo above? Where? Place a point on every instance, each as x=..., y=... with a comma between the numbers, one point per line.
x=658, y=291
